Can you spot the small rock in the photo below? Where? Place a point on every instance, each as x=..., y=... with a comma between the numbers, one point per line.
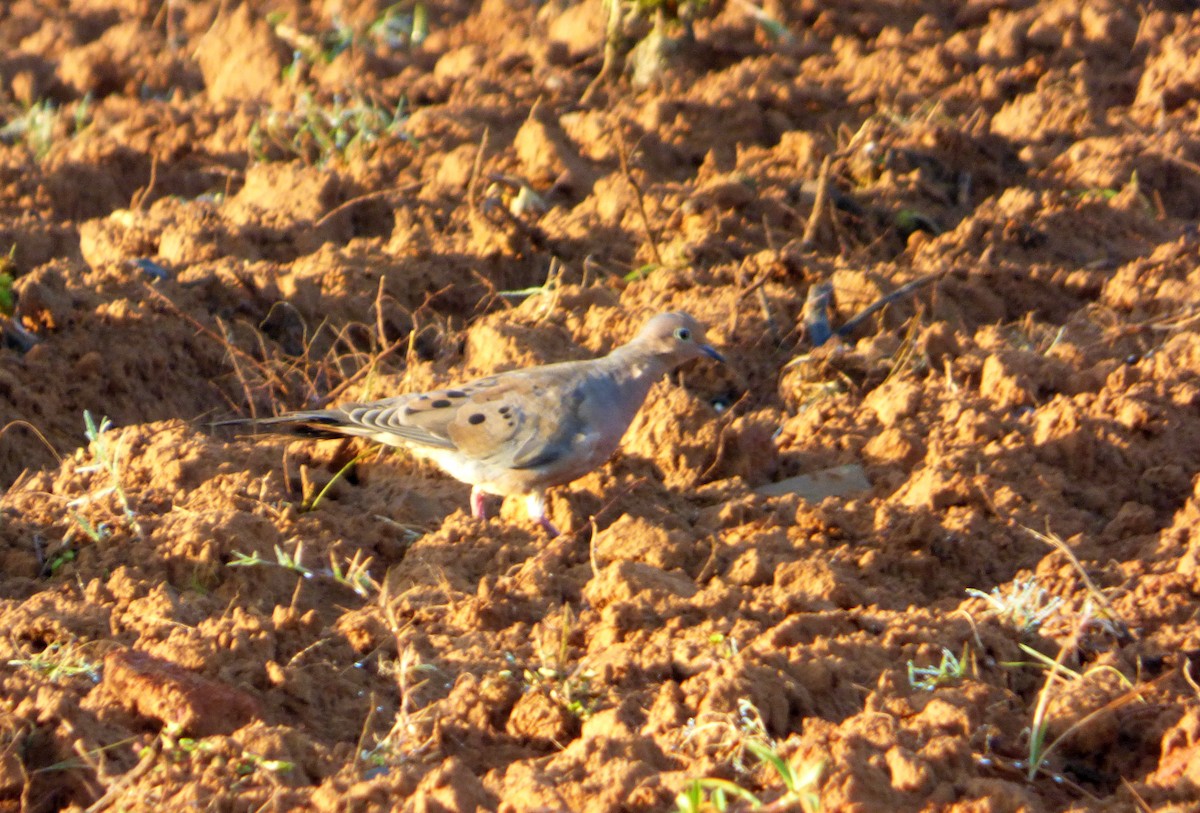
x=894, y=401
x=542, y=719
x=165, y=691
x=621, y=581
x=241, y=58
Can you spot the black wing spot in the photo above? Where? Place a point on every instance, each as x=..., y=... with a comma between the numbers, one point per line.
x=455, y=394
x=477, y=418
x=547, y=457
x=440, y=403
x=504, y=410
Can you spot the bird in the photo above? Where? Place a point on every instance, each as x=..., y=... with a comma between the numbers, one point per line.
x=520, y=432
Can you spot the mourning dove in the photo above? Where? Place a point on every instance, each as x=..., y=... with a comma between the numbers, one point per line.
x=520, y=432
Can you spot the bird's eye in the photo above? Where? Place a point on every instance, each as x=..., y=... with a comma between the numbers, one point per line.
x=683, y=334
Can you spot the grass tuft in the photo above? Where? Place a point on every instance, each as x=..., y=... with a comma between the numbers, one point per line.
x=736, y=736
x=354, y=573
x=37, y=125
x=106, y=457
x=319, y=133
x=1026, y=604
x=951, y=670
x=60, y=660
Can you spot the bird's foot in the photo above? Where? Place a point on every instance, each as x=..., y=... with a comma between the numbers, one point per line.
x=478, y=503
x=535, y=504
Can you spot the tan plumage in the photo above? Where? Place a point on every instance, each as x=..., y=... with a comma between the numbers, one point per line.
x=520, y=432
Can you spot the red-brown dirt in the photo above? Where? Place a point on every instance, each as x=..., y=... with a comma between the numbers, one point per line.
x=216, y=210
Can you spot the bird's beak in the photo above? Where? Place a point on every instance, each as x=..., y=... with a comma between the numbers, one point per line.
x=712, y=353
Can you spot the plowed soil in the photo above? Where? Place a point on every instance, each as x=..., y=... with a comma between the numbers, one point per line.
x=214, y=210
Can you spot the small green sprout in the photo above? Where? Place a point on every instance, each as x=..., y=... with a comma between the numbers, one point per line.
x=7, y=266
x=318, y=132
x=287, y=561
x=58, y=661
x=801, y=787
x=951, y=669
x=396, y=28
x=56, y=563
x=1026, y=604
x=183, y=749
x=96, y=533
x=354, y=574
x=107, y=457
x=35, y=125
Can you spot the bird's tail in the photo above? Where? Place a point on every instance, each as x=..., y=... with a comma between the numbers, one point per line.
x=314, y=424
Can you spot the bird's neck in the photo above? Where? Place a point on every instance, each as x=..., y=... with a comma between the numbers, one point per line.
x=635, y=366
x=641, y=362
x=628, y=372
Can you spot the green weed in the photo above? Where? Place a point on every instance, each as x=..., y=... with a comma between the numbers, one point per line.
x=60, y=660
x=8, y=301
x=800, y=786
x=354, y=573
x=320, y=132
x=1039, y=748
x=398, y=27
x=316, y=500
x=725, y=647
x=186, y=749
x=1025, y=604
x=64, y=557
x=106, y=457
x=34, y=128
x=951, y=669
x=37, y=126
x=97, y=533
x=569, y=686
x=404, y=738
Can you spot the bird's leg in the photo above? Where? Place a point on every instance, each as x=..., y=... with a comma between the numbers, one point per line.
x=478, y=503
x=535, y=504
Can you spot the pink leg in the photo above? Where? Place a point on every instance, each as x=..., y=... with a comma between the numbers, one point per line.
x=478, y=503
x=535, y=504
x=549, y=526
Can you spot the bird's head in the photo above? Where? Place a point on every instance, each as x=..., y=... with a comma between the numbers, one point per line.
x=675, y=338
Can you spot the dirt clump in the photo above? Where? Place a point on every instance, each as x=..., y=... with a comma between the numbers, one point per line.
x=213, y=210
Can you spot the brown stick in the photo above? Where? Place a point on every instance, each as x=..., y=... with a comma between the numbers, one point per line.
x=412, y=187
x=820, y=204
x=641, y=202
x=904, y=290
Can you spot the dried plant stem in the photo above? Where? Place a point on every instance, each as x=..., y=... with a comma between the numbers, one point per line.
x=623, y=152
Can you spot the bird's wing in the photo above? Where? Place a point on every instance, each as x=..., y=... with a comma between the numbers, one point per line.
x=519, y=419
x=524, y=420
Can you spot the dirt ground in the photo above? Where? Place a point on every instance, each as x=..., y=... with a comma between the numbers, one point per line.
x=222, y=209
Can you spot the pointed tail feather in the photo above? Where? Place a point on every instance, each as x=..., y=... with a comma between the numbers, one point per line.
x=337, y=423
x=315, y=424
